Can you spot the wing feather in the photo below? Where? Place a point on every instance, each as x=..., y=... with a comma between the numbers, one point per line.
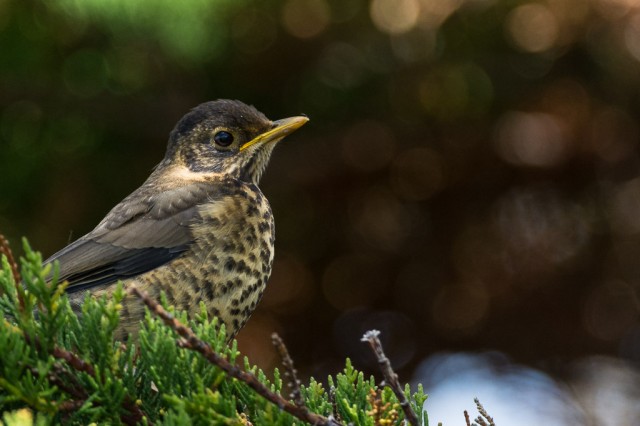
x=143, y=232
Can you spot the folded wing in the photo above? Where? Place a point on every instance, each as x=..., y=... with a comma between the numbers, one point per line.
x=141, y=233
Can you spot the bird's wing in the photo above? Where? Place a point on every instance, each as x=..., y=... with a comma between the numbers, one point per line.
x=139, y=234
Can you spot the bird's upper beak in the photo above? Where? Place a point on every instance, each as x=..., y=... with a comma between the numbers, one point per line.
x=280, y=129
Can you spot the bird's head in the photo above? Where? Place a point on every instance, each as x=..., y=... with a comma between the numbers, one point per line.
x=227, y=137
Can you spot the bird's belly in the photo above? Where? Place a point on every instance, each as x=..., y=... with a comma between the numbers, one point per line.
x=234, y=245
x=228, y=287
x=232, y=279
x=227, y=266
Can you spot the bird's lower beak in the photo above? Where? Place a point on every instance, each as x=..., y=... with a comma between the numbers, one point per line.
x=281, y=128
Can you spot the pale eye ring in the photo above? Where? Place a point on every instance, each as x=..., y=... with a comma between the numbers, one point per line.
x=223, y=138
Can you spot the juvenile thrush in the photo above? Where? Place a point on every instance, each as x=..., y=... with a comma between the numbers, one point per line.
x=198, y=229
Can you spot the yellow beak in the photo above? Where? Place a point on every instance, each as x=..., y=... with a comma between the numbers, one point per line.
x=281, y=128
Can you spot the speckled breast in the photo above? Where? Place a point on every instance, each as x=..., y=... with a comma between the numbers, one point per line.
x=228, y=264
x=234, y=243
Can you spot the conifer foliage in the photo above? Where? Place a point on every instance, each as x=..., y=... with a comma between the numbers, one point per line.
x=59, y=367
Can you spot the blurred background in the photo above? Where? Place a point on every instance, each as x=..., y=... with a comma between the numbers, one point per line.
x=469, y=182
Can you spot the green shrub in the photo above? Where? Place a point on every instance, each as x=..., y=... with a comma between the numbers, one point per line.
x=58, y=368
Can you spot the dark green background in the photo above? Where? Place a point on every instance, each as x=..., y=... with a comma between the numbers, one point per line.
x=469, y=179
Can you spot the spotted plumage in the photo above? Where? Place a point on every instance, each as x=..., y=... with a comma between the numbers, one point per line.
x=199, y=229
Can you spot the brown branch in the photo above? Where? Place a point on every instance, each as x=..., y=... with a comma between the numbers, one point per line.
x=484, y=414
x=74, y=361
x=334, y=404
x=289, y=370
x=75, y=389
x=5, y=249
x=190, y=341
x=466, y=418
x=135, y=415
x=71, y=405
x=390, y=377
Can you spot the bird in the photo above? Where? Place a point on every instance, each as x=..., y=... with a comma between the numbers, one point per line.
x=198, y=229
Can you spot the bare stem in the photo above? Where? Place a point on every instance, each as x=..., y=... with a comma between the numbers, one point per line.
x=390, y=377
x=5, y=249
x=290, y=371
x=73, y=360
x=334, y=404
x=484, y=414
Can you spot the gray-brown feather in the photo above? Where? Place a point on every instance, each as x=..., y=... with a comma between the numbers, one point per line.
x=196, y=243
x=156, y=223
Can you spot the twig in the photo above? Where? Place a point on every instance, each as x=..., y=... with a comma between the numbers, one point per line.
x=466, y=418
x=56, y=380
x=69, y=357
x=135, y=415
x=484, y=414
x=334, y=404
x=75, y=389
x=71, y=405
x=290, y=371
x=390, y=376
x=73, y=360
x=190, y=341
x=5, y=249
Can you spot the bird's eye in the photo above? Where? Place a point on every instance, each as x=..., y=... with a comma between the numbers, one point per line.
x=223, y=139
